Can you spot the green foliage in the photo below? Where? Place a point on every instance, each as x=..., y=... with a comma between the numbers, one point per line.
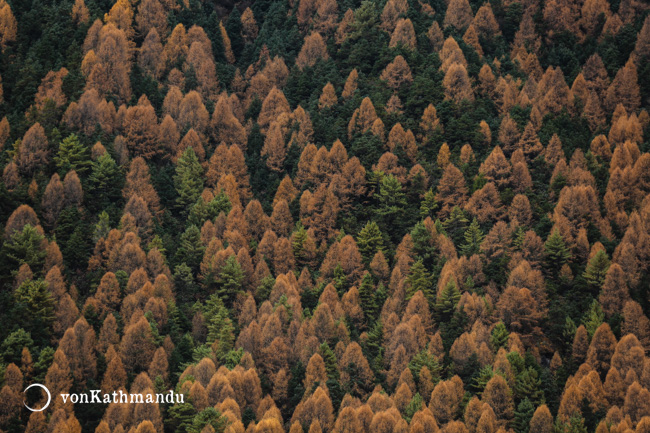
x=569, y=331
x=219, y=325
x=12, y=346
x=42, y=364
x=456, y=225
x=105, y=183
x=419, y=279
x=340, y=280
x=72, y=155
x=528, y=386
x=185, y=284
x=34, y=300
x=576, y=424
x=264, y=289
x=473, y=238
x=424, y=245
x=392, y=204
x=230, y=280
x=523, y=415
x=102, y=227
x=191, y=249
x=428, y=205
x=593, y=318
x=201, y=211
x=482, y=378
x=188, y=180
x=25, y=247
x=447, y=300
x=331, y=364
x=414, y=406
x=422, y=359
x=370, y=241
x=233, y=357
x=556, y=252
x=367, y=298
x=499, y=336
x=597, y=269
x=207, y=416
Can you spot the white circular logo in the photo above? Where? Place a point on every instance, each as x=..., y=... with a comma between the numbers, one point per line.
x=49, y=397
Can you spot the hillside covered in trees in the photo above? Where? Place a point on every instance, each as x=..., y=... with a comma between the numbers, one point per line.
x=315, y=216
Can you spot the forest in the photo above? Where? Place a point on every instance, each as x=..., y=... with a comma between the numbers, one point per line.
x=326, y=216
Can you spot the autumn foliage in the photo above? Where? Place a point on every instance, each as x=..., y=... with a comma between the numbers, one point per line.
x=325, y=216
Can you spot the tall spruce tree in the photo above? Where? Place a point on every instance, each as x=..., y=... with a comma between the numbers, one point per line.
x=473, y=238
x=370, y=241
x=188, y=180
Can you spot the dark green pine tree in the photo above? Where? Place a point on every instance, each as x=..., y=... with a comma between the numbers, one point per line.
x=499, y=336
x=370, y=241
x=380, y=295
x=12, y=346
x=24, y=247
x=188, y=180
x=424, y=245
x=447, y=300
x=373, y=349
x=230, y=280
x=523, y=415
x=456, y=225
x=208, y=417
x=34, y=300
x=593, y=318
x=102, y=227
x=190, y=250
x=428, y=205
x=72, y=155
x=575, y=425
x=367, y=298
x=214, y=33
x=331, y=364
x=556, y=252
x=201, y=211
x=482, y=378
x=528, y=386
x=298, y=238
x=186, y=287
x=233, y=27
x=473, y=238
x=219, y=324
x=340, y=280
x=105, y=182
x=596, y=270
x=414, y=406
x=422, y=359
x=569, y=331
x=392, y=203
x=419, y=279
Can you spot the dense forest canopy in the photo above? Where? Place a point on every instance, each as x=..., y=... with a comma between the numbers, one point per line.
x=326, y=216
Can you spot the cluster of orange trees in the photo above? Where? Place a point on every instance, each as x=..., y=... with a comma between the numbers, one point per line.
x=348, y=216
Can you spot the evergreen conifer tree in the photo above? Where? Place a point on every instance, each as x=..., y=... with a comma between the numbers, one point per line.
x=499, y=336
x=367, y=298
x=447, y=300
x=370, y=241
x=556, y=251
x=473, y=238
x=188, y=180
x=523, y=415
x=597, y=269
x=72, y=155
x=230, y=280
x=593, y=318
x=419, y=279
